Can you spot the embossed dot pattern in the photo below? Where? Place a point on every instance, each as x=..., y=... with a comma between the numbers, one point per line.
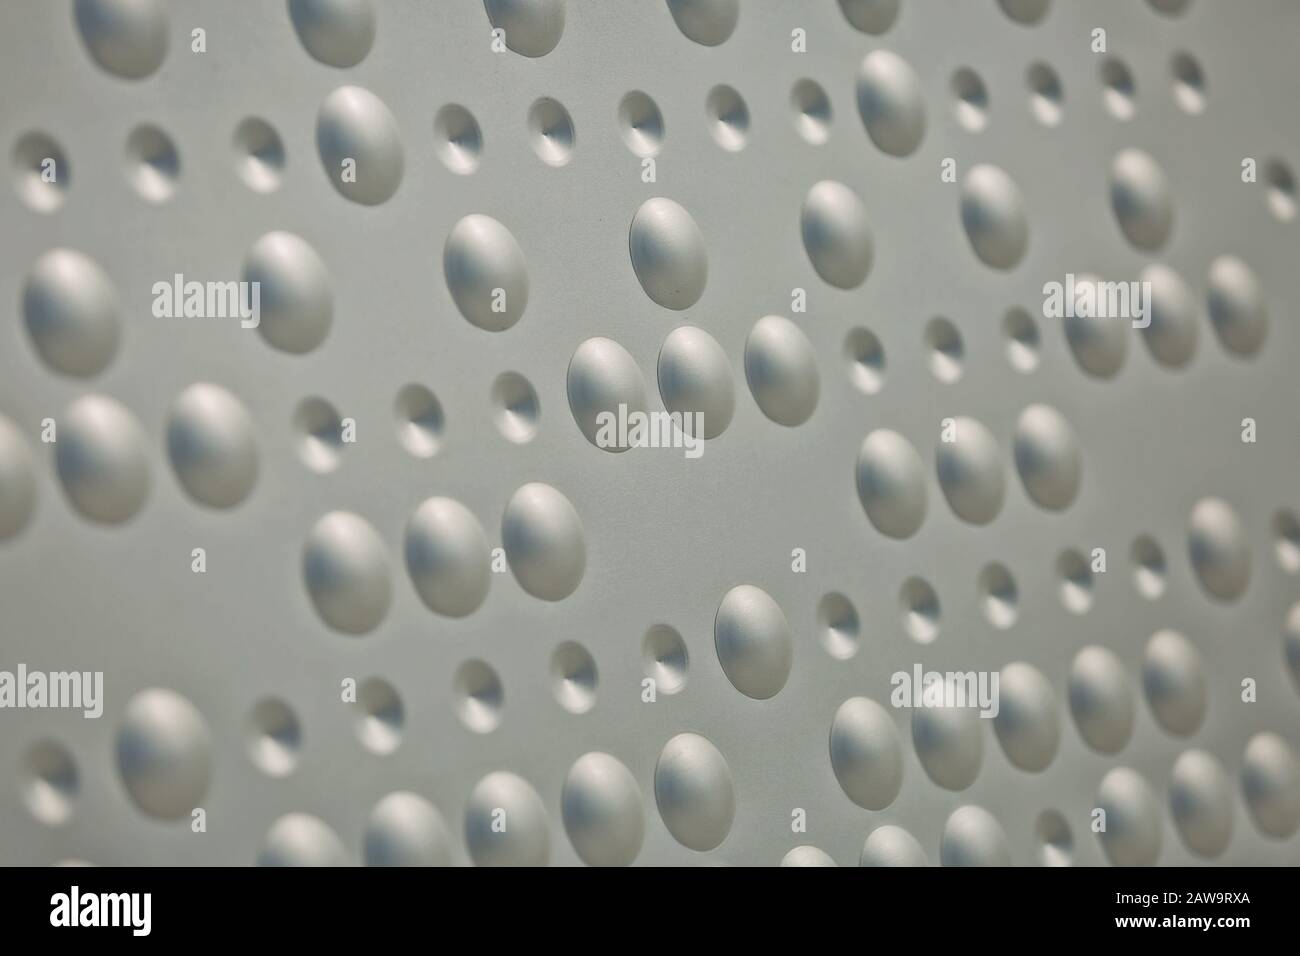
x=309, y=339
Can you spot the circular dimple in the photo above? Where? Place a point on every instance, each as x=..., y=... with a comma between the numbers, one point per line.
x=728, y=118
x=335, y=32
x=971, y=100
x=642, y=124
x=447, y=556
x=1219, y=549
x=1046, y=95
x=300, y=839
x=807, y=856
x=707, y=22
x=973, y=837
x=890, y=102
x=164, y=753
x=1170, y=8
x=125, y=37
x=1189, y=82
x=1281, y=189
x=404, y=829
x=41, y=171
x=102, y=457
x=544, y=542
x=1173, y=329
x=1022, y=339
x=574, y=677
x=695, y=792
x=1174, y=681
x=1075, y=575
x=210, y=443
x=320, y=434
x=531, y=28
x=1098, y=340
x=836, y=235
x=50, y=782
x=478, y=695
x=1291, y=643
x=1286, y=541
x=419, y=418
x=1053, y=842
x=1132, y=834
x=1236, y=304
x=550, y=128
x=1270, y=781
x=1119, y=92
x=380, y=716
x=1200, y=801
x=948, y=742
x=602, y=811
x=1026, y=722
x=668, y=255
x=486, y=273
x=892, y=846
x=296, y=304
x=1140, y=197
x=153, y=166
x=274, y=737
x=970, y=472
x=1101, y=700
x=1027, y=12
x=993, y=215
x=753, y=641
x=695, y=378
x=1048, y=457
x=999, y=598
x=70, y=309
x=1148, y=567
x=870, y=16
x=866, y=358
x=17, y=480
x=604, y=386
x=345, y=568
x=866, y=753
x=359, y=145
x=515, y=407
x=259, y=155
x=811, y=111
x=891, y=483
x=457, y=139
x=665, y=659
x=837, y=626
x=919, y=605
x=781, y=369
x=944, y=343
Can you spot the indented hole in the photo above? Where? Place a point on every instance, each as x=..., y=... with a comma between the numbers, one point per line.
x=1189, y=83
x=728, y=118
x=920, y=607
x=320, y=435
x=573, y=677
x=1148, y=567
x=1046, y=96
x=1022, y=340
x=379, y=723
x=837, y=626
x=946, y=349
x=1120, y=93
x=998, y=595
x=642, y=124
x=664, y=658
x=812, y=111
x=1287, y=542
x=479, y=696
x=1052, y=839
x=516, y=410
x=1281, y=189
x=457, y=139
x=1076, y=581
x=972, y=100
x=866, y=358
x=274, y=737
x=419, y=420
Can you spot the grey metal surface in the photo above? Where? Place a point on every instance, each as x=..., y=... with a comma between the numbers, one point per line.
x=665, y=538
